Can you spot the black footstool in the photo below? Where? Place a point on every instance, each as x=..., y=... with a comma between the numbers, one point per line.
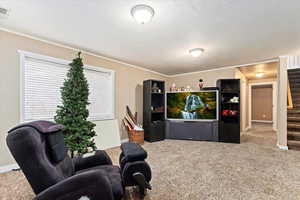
x=134, y=169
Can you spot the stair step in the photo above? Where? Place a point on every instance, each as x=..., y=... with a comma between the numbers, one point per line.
x=296, y=96
x=296, y=72
x=293, y=70
x=293, y=118
x=296, y=100
x=293, y=135
x=296, y=105
x=295, y=90
x=293, y=76
x=292, y=126
x=294, y=81
x=294, y=85
x=293, y=111
x=294, y=144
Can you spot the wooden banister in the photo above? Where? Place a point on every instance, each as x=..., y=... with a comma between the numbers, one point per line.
x=290, y=99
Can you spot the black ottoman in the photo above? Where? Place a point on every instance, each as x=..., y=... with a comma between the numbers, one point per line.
x=135, y=170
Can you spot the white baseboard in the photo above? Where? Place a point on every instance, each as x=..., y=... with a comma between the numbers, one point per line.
x=7, y=168
x=262, y=121
x=247, y=128
x=124, y=140
x=282, y=147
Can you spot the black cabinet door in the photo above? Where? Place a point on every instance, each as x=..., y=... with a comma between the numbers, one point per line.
x=229, y=132
x=157, y=131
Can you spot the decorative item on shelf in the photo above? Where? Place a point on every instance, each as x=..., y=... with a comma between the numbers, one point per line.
x=188, y=88
x=173, y=87
x=155, y=88
x=234, y=100
x=158, y=109
x=229, y=112
x=200, y=84
x=135, y=130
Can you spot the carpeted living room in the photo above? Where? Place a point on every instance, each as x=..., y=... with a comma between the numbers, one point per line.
x=154, y=100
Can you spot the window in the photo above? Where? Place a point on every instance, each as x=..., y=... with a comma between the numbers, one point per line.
x=41, y=80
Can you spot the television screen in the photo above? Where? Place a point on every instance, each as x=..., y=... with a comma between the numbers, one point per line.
x=201, y=105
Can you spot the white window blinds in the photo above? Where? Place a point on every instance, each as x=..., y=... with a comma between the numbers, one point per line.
x=41, y=80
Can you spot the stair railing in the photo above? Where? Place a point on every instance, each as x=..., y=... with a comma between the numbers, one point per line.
x=290, y=99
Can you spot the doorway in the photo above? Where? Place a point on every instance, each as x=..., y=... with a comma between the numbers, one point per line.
x=262, y=104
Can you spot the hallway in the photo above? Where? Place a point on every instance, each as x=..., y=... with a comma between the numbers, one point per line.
x=260, y=133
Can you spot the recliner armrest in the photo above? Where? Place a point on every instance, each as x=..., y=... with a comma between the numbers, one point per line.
x=99, y=158
x=93, y=184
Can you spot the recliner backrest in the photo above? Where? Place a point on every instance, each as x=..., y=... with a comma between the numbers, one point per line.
x=38, y=154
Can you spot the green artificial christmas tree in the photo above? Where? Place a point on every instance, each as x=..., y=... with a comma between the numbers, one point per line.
x=73, y=114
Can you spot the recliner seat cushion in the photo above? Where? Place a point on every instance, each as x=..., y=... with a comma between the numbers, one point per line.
x=114, y=175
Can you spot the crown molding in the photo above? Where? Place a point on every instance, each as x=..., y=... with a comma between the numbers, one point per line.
x=83, y=51
x=226, y=67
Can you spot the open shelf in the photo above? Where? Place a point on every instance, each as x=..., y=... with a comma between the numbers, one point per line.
x=157, y=93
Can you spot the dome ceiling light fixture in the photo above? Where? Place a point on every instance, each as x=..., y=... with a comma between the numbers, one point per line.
x=196, y=52
x=3, y=11
x=142, y=13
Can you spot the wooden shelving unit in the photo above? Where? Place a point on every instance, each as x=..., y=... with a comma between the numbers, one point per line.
x=229, y=112
x=154, y=110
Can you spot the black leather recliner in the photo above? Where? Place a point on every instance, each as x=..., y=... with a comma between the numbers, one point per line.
x=39, y=149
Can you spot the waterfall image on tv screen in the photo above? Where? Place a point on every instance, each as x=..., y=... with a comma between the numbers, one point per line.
x=192, y=105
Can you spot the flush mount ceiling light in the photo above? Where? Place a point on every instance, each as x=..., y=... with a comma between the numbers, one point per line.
x=142, y=13
x=3, y=11
x=260, y=74
x=196, y=52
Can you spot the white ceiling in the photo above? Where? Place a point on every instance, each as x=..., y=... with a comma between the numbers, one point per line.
x=269, y=70
x=232, y=32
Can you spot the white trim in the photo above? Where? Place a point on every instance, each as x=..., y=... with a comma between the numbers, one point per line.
x=274, y=98
x=7, y=168
x=124, y=140
x=283, y=147
x=225, y=67
x=24, y=54
x=61, y=61
x=262, y=121
x=22, y=84
x=83, y=51
x=247, y=128
x=127, y=64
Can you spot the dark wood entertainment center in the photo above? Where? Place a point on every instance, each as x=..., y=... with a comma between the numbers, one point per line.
x=225, y=129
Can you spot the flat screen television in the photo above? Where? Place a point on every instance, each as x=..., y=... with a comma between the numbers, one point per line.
x=192, y=106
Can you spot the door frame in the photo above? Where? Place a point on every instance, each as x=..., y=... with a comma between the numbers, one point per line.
x=274, y=99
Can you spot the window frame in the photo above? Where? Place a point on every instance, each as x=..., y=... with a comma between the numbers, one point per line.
x=25, y=54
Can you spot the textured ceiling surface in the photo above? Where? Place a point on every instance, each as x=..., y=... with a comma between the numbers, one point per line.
x=231, y=32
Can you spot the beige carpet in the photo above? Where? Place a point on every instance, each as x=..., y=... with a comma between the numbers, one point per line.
x=205, y=170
